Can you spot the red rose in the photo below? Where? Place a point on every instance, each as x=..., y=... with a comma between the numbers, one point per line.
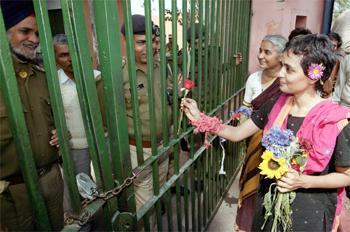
x=188, y=84
x=296, y=167
x=236, y=116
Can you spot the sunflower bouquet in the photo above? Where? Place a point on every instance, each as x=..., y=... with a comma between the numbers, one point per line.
x=283, y=152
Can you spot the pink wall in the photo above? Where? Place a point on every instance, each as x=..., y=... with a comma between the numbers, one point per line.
x=279, y=17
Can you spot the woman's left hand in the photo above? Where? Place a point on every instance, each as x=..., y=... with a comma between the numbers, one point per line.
x=290, y=181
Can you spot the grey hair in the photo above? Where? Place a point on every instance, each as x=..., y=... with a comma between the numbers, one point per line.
x=60, y=39
x=278, y=41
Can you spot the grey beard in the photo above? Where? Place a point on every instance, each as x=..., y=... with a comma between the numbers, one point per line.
x=32, y=58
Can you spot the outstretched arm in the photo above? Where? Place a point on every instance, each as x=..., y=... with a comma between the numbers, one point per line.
x=240, y=132
x=231, y=133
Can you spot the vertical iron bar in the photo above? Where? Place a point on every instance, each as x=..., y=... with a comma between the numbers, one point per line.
x=146, y=221
x=200, y=55
x=199, y=190
x=223, y=14
x=129, y=40
x=217, y=45
x=150, y=91
x=184, y=40
x=200, y=103
x=236, y=35
x=74, y=22
x=42, y=20
x=206, y=58
x=212, y=44
x=210, y=182
x=169, y=212
x=193, y=48
x=229, y=49
x=186, y=201
x=205, y=192
x=175, y=108
x=238, y=44
x=248, y=22
x=194, y=92
x=230, y=62
x=163, y=67
x=224, y=22
x=108, y=37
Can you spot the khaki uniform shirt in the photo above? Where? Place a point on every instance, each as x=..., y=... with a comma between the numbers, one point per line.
x=33, y=91
x=142, y=86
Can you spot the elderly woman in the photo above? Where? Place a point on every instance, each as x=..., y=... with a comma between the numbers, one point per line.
x=307, y=63
x=260, y=86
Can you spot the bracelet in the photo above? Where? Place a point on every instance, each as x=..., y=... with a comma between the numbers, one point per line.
x=207, y=125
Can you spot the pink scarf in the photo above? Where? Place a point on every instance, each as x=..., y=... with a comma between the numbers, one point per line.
x=320, y=127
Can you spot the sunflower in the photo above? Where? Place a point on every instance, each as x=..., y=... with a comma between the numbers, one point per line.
x=272, y=167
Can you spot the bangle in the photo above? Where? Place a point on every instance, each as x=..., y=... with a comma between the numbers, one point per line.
x=207, y=125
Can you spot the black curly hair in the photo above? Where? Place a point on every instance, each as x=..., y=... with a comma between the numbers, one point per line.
x=298, y=31
x=314, y=49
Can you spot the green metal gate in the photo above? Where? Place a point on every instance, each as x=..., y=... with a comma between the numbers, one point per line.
x=220, y=88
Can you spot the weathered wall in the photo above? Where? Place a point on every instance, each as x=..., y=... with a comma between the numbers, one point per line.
x=279, y=17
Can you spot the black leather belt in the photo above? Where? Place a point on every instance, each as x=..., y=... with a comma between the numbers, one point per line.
x=18, y=179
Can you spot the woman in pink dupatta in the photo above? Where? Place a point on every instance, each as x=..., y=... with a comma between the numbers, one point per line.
x=321, y=126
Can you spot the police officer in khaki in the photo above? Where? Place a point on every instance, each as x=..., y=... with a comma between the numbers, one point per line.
x=16, y=211
x=143, y=184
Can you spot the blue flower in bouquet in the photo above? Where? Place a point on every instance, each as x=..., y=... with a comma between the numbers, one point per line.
x=277, y=140
x=245, y=110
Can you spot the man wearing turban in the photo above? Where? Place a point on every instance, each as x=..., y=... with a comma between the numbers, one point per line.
x=16, y=210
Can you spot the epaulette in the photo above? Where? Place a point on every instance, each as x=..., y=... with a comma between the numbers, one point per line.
x=38, y=67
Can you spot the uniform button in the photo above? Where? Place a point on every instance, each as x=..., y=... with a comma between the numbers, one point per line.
x=23, y=74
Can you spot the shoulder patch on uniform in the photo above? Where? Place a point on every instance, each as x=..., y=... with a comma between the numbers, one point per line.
x=39, y=68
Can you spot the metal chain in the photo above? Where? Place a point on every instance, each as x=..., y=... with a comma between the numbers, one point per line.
x=85, y=216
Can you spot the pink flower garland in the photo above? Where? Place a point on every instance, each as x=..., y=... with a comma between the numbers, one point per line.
x=207, y=125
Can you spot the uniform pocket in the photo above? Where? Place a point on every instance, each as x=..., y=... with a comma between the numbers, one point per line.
x=46, y=108
x=5, y=132
x=5, y=128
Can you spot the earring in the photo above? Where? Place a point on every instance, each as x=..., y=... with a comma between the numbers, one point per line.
x=321, y=82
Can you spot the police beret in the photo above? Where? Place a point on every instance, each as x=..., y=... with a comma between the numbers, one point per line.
x=14, y=11
x=138, y=25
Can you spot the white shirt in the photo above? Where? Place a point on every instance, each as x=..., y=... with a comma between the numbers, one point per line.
x=253, y=87
x=72, y=110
